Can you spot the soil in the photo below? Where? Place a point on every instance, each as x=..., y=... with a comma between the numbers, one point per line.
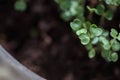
x=44, y=43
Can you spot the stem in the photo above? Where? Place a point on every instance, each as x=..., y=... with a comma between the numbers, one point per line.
x=101, y=23
x=90, y=16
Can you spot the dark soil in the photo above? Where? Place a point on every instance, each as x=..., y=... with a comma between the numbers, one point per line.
x=44, y=43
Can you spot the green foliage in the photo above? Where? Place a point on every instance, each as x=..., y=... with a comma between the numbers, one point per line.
x=71, y=8
x=100, y=10
x=113, y=2
x=20, y=5
x=92, y=35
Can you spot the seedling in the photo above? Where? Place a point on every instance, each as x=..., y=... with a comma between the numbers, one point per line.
x=91, y=34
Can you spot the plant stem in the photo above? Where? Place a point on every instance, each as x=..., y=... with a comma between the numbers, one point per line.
x=102, y=19
x=90, y=16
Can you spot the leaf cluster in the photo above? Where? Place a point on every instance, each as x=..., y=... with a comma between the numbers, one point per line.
x=94, y=37
x=71, y=8
x=91, y=36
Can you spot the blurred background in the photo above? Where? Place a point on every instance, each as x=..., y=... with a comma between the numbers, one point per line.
x=38, y=38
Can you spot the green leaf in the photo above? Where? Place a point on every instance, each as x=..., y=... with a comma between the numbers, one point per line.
x=108, y=1
x=20, y=5
x=65, y=4
x=74, y=7
x=107, y=46
x=76, y=24
x=105, y=53
x=114, y=57
x=105, y=33
x=81, y=31
x=103, y=40
x=114, y=33
x=118, y=37
x=91, y=53
x=105, y=43
x=100, y=9
x=95, y=30
x=95, y=40
x=89, y=46
x=115, y=46
x=84, y=39
x=66, y=15
x=109, y=15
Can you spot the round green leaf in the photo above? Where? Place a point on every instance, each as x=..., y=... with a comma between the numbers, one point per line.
x=66, y=15
x=81, y=31
x=100, y=9
x=76, y=24
x=105, y=53
x=91, y=53
x=107, y=46
x=115, y=46
x=84, y=39
x=95, y=40
x=95, y=30
x=114, y=57
x=114, y=33
x=20, y=5
x=109, y=15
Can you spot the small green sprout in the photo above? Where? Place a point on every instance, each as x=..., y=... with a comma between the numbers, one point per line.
x=100, y=9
